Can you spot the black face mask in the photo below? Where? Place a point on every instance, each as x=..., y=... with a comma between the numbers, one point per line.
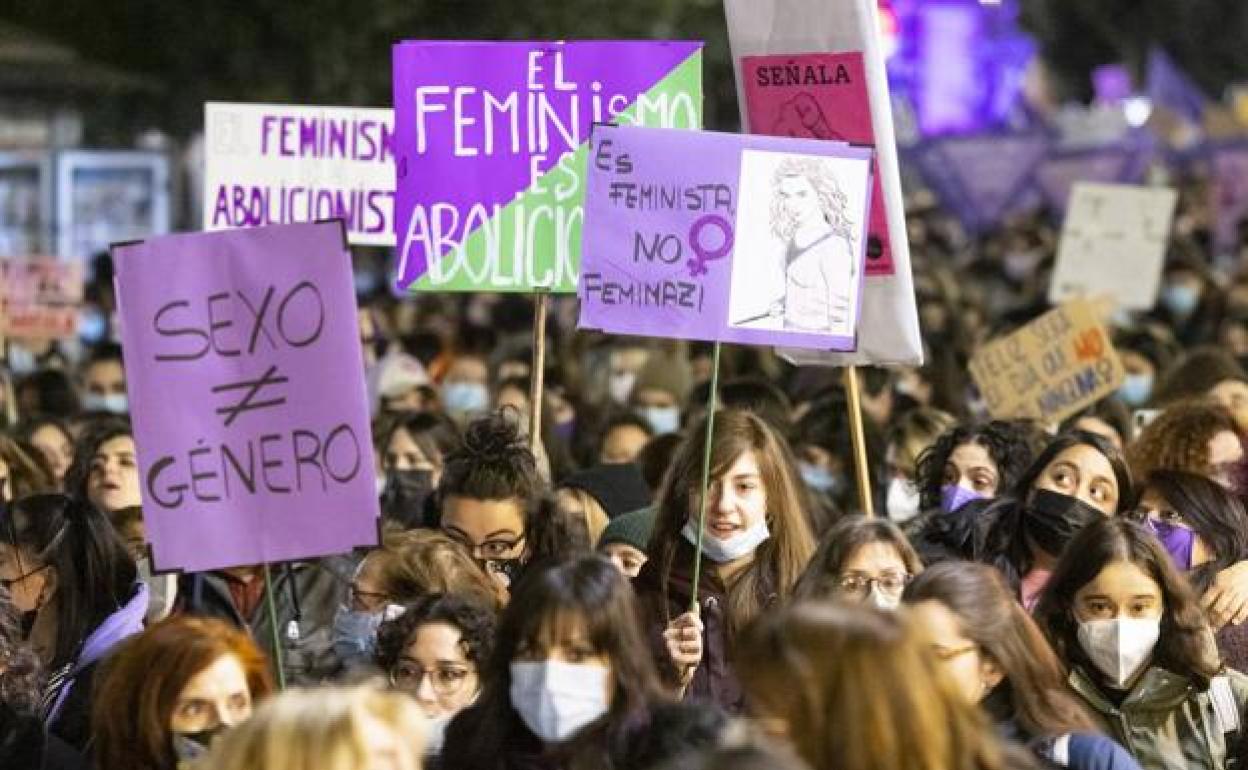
x=28, y=622
x=512, y=569
x=1052, y=519
x=191, y=746
x=403, y=499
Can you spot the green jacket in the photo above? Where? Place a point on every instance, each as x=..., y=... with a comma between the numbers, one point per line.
x=1167, y=724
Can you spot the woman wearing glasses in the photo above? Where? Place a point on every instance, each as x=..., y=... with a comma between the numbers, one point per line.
x=489, y=486
x=1204, y=528
x=999, y=659
x=434, y=651
x=861, y=560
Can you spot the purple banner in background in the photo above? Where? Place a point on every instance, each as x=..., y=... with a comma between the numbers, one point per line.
x=1119, y=164
x=709, y=236
x=246, y=382
x=982, y=177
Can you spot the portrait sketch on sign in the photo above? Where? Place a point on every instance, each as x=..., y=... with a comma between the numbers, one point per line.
x=797, y=266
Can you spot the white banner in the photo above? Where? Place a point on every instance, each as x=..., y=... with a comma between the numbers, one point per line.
x=888, y=331
x=281, y=164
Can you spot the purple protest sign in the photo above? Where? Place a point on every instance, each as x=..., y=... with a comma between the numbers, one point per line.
x=707, y=236
x=490, y=142
x=1117, y=164
x=246, y=385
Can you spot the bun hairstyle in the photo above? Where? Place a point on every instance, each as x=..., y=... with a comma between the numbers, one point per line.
x=494, y=462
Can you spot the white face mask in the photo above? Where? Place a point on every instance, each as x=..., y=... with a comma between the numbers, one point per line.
x=902, y=502
x=662, y=419
x=621, y=386
x=555, y=699
x=114, y=403
x=882, y=601
x=1120, y=647
x=730, y=549
x=435, y=734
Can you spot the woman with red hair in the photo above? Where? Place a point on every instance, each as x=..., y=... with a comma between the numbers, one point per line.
x=171, y=689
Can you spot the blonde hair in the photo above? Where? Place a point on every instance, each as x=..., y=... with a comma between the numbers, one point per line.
x=832, y=200
x=327, y=728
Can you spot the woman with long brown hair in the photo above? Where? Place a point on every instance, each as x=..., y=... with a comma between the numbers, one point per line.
x=994, y=652
x=171, y=689
x=855, y=689
x=756, y=543
x=1140, y=652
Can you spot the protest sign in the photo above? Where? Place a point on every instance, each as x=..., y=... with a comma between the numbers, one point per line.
x=268, y=164
x=888, y=331
x=40, y=298
x=818, y=96
x=490, y=145
x=724, y=237
x=245, y=377
x=1049, y=369
x=1113, y=243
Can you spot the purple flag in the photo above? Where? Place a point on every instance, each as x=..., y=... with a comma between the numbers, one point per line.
x=1170, y=87
x=708, y=236
x=982, y=177
x=246, y=385
x=1119, y=164
x=1229, y=193
x=489, y=143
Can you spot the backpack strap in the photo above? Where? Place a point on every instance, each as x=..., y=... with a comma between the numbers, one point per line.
x=1222, y=698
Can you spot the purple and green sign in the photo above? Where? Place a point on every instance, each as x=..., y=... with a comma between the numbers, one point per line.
x=490, y=148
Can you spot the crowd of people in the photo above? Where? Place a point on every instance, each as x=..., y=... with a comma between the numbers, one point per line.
x=1028, y=595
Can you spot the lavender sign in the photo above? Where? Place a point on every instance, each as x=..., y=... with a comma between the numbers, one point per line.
x=490, y=146
x=267, y=164
x=707, y=236
x=245, y=374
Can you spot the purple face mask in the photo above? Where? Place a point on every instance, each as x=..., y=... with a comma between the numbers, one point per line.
x=954, y=496
x=1177, y=541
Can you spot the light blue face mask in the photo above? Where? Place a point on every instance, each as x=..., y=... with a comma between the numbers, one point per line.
x=1136, y=389
x=113, y=403
x=1180, y=299
x=465, y=397
x=819, y=478
x=92, y=326
x=354, y=635
x=662, y=419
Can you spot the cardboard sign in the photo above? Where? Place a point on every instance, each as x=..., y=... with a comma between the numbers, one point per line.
x=1049, y=369
x=888, y=332
x=246, y=387
x=818, y=96
x=40, y=298
x=708, y=236
x=490, y=143
x=1114, y=242
x=268, y=164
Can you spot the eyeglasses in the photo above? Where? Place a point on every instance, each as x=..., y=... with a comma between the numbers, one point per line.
x=366, y=600
x=490, y=550
x=890, y=583
x=446, y=681
x=10, y=582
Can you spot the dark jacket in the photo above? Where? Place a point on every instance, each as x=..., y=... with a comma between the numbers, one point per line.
x=25, y=745
x=940, y=536
x=69, y=716
x=714, y=681
x=1077, y=751
x=319, y=587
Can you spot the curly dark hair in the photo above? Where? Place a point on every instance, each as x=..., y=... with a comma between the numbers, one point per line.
x=1012, y=444
x=22, y=683
x=475, y=622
